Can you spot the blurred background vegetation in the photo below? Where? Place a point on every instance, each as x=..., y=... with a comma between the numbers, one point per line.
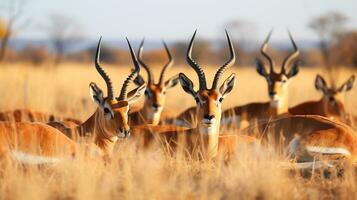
x=67, y=42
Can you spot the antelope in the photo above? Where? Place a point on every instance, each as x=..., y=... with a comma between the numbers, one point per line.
x=108, y=123
x=155, y=93
x=330, y=105
x=277, y=89
x=27, y=115
x=307, y=135
x=205, y=136
x=110, y=120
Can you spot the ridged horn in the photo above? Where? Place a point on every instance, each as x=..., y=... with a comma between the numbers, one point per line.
x=101, y=71
x=195, y=66
x=229, y=63
x=132, y=75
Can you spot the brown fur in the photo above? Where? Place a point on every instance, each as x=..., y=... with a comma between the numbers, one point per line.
x=34, y=138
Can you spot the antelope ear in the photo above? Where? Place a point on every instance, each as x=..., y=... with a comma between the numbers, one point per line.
x=294, y=69
x=186, y=84
x=139, y=80
x=136, y=93
x=227, y=85
x=96, y=94
x=260, y=67
x=348, y=85
x=320, y=83
x=172, y=82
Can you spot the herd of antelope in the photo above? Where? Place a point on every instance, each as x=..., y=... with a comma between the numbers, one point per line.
x=311, y=128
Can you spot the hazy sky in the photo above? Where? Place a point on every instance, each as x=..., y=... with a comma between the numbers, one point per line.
x=177, y=19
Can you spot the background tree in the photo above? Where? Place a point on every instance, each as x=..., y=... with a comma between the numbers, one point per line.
x=63, y=32
x=11, y=12
x=329, y=27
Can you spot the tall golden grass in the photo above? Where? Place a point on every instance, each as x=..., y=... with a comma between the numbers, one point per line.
x=251, y=173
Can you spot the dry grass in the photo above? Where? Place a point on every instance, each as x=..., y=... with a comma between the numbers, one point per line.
x=252, y=173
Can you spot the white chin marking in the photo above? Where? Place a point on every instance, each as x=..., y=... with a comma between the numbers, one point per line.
x=208, y=129
x=31, y=159
x=121, y=135
x=275, y=103
x=328, y=150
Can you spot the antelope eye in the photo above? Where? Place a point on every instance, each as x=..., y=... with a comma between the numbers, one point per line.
x=197, y=99
x=106, y=110
x=220, y=99
x=164, y=92
x=284, y=81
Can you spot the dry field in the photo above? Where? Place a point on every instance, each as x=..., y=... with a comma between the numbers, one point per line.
x=252, y=173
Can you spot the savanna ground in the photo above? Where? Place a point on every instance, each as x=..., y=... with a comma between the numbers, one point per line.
x=251, y=173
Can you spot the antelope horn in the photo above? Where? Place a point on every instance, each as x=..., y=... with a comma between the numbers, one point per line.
x=229, y=63
x=263, y=50
x=101, y=71
x=168, y=64
x=147, y=69
x=195, y=66
x=131, y=76
x=292, y=55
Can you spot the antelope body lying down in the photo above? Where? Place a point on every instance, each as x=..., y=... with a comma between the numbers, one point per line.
x=105, y=126
x=304, y=136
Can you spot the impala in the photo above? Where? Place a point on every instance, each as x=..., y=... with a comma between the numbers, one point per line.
x=204, y=138
x=330, y=105
x=277, y=89
x=307, y=135
x=110, y=121
x=33, y=143
x=155, y=93
x=27, y=115
x=105, y=126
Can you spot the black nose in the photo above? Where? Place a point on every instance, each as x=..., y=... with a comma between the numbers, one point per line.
x=155, y=105
x=272, y=93
x=209, y=117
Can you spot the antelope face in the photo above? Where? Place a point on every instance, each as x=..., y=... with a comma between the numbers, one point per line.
x=209, y=103
x=155, y=92
x=278, y=82
x=332, y=96
x=113, y=113
x=155, y=96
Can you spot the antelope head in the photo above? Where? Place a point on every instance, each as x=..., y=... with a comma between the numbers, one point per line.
x=112, y=113
x=155, y=93
x=333, y=97
x=278, y=81
x=209, y=101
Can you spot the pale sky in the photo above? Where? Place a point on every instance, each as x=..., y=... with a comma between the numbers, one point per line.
x=177, y=19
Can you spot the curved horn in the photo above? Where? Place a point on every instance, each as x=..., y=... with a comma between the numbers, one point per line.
x=195, y=66
x=147, y=69
x=263, y=50
x=292, y=55
x=101, y=71
x=229, y=63
x=131, y=76
x=168, y=64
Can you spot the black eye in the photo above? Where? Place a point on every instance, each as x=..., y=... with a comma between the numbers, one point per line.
x=164, y=92
x=284, y=81
x=220, y=99
x=106, y=110
x=146, y=92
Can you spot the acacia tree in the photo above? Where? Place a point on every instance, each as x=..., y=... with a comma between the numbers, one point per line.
x=62, y=30
x=329, y=27
x=12, y=11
